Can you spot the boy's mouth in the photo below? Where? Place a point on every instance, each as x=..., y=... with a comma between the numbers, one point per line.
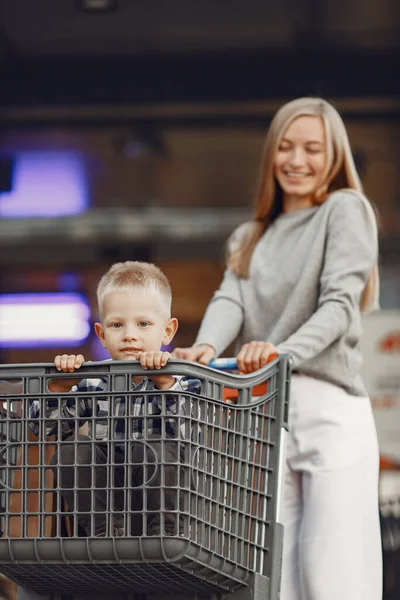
x=130, y=350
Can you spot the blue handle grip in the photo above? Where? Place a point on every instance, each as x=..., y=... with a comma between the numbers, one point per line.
x=223, y=364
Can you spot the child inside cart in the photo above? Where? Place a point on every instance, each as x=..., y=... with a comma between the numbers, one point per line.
x=134, y=300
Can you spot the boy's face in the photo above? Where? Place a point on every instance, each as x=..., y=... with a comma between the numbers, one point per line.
x=134, y=322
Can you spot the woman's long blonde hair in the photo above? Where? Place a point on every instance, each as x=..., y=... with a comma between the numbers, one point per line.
x=340, y=174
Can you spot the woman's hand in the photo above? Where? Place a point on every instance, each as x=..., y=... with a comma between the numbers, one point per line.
x=201, y=354
x=255, y=355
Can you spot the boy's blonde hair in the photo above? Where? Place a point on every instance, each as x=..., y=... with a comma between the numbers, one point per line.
x=125, y=276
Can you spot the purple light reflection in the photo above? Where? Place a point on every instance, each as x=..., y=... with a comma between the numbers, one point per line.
x=46, y=184
x=38, y=320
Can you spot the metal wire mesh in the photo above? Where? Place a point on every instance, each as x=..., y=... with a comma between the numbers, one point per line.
x=194, y=506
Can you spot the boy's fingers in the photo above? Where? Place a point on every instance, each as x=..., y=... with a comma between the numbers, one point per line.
x=80, y=359
x=159, y=359
x=64, y=362
x=165, y=356
x=155, y=360
x=68, y=362
x=71, y=362
x=143, y=360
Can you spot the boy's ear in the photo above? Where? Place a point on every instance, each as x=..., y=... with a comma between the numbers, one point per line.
x=171, y=328
x=99, y=329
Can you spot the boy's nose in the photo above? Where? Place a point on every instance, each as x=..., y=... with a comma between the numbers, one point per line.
x=130, y=333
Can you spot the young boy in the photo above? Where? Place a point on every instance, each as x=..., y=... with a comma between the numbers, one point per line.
x=134, y=300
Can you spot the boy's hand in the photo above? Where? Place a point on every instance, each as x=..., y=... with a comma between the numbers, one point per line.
x=156, y=360
x=66, y=363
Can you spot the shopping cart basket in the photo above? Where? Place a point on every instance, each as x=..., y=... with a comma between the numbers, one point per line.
x=226, y=535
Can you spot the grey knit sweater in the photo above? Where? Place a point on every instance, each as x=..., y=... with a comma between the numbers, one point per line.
x=306, y=277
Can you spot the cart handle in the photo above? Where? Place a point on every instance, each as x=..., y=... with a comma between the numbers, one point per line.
x=231, y=395
x=223, y=364
x=230, y=364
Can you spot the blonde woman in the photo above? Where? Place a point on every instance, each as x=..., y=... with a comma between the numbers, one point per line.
x=297, y=280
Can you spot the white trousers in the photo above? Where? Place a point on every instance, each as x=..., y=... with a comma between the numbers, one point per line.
x=332, y=547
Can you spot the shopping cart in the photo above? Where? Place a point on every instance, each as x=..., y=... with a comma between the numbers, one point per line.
x=227, y=537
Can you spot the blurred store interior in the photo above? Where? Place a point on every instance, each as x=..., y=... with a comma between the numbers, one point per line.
x=134, y=130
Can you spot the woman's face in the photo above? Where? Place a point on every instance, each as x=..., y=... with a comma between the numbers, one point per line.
x=300, y=162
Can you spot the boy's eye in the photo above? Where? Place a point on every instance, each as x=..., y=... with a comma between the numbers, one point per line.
x=143, y=324
x=116, y=325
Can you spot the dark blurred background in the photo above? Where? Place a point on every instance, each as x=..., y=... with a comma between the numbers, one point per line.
x=134, y=130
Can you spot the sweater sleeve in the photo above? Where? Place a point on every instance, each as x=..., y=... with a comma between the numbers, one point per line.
x=224, y=315
x=350, y=253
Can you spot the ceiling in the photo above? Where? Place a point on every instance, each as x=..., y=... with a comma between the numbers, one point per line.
x=52, y=53
x=199, y=62
x=44, y=28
